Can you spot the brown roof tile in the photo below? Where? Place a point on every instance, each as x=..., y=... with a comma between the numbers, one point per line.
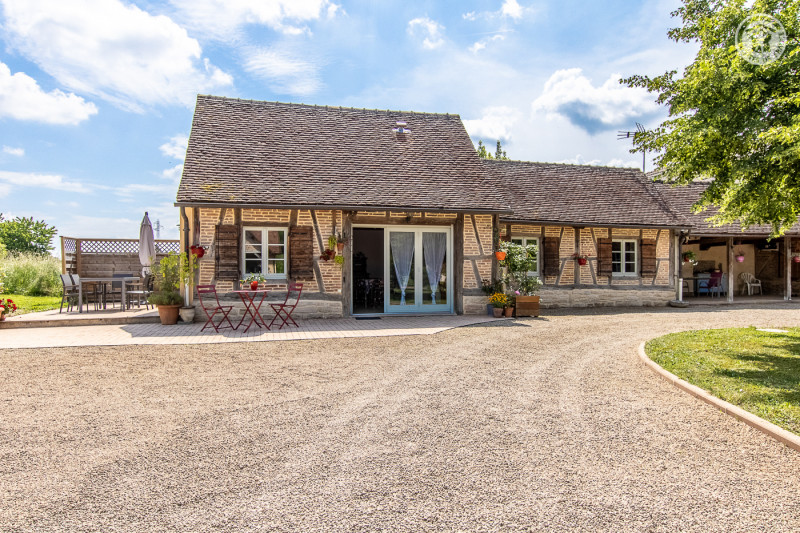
x=581, y=195
x=273, y=154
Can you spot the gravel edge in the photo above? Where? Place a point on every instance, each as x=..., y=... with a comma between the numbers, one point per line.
x=778, y=433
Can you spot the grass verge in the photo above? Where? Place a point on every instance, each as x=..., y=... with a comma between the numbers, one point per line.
x=32, y=304
x=758, y=371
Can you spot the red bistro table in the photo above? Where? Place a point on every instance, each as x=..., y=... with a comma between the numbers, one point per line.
x=252, y=307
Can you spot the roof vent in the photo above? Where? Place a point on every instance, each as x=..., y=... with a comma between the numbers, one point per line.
x=401, y=127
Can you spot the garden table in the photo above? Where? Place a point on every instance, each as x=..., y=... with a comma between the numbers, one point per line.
x=124, y=281
x=252, y=307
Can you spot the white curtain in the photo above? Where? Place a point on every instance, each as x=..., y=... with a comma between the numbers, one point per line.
x=402, y=245
x=434, y=246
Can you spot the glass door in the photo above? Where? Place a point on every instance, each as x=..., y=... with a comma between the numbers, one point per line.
x=417, y=270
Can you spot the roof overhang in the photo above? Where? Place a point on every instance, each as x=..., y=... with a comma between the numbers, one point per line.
x=584, y=224
x=342, y=207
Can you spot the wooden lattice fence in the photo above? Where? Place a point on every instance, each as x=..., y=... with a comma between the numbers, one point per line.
x=105, y=257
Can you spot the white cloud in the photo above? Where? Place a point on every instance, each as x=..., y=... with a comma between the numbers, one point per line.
x=480, y=45
x=18, y=152
x=286, y=74
x=173, y=174
x=5, y=190
x=112, y=50
x=495, y=124
x=44, y=181
x=21, y=98
x=133, y=189
x=470, y=16
x=222, y=19
x=176, y=146
x=428, y=30
x=580, y=160
x=570, y=94
x=511, y=9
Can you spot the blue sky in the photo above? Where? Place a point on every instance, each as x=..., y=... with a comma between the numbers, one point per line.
x=96, y=96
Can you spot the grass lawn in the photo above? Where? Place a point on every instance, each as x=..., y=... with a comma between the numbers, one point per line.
x=32, y=304
x=756, y=370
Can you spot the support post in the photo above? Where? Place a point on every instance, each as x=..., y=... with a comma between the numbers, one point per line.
x=347, y=266
x=495, y=235
x=730, y=270
x=458, y=264
x=678, y=262
x=63, y=257
x=787, y=245
x=78, y=244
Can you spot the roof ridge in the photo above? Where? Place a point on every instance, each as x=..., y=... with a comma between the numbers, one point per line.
x=343, y=108
x=542, y=163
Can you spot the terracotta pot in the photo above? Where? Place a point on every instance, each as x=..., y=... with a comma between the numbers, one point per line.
x=500, y=255
x=581, y=261
x=508, y=312
x=528, y=306
x=168, y=314
x=796, y=259
x=253, y=285
x=2, y=316
x=498, y=312
x=740, y=258
x=340, y=246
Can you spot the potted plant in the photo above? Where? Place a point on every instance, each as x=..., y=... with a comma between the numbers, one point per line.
x=520, y=263
x=167, y=282
x=740, y=256
x=498, y=301
x=500, y=255
x=581, y=259
x=332, y=241
x=508, y=312
x=689, y=257
x=796, y=258
x=197, y=250
x=7, y=306
x=341, y=240
x=254, y=278
x=188, y=266
x=327, y=254
x=490, y=287
x=339, y=260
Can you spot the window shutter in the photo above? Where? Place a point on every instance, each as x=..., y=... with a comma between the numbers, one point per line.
x=552, y=259
x=647, y=251
x=603, y=257
x=301, y=252
x=226, y=244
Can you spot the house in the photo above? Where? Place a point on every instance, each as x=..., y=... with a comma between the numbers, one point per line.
x=731, y=249
x=266, y=184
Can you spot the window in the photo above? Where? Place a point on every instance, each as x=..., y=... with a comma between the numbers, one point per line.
x=623, y=257
x=525, y=241
x=265, y=251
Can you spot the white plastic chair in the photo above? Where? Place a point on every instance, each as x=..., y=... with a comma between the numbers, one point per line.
x=750, y=282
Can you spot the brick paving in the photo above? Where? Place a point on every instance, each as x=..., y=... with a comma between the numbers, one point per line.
x=330, y=328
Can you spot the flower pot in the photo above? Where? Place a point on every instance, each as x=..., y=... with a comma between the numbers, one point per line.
x=796, y=259
x=508, y=312
x=528, y=306
x=187, y=314
x=489, y=310
x=497, y=312
x=581, y=261
x=168, y=314
x=340, y=246
x=253, y=285
x=2, y=316
x=740, y=258
x=500, y=255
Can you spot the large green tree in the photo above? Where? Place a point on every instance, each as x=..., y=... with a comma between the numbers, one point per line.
x=734, y=114
x=26, y=235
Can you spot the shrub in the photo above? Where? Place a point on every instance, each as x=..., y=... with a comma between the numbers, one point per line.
x=31, y=274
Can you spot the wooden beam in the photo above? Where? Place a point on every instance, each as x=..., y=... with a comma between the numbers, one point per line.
x=458, y=264
x=78, y=243
x=347, y=267
x=401, y=221
x=731, y=277
x=788, y=247
x=63, y=257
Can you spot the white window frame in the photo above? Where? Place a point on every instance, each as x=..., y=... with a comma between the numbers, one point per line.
x=531, y=240
x=623, y=272
x=264, y=252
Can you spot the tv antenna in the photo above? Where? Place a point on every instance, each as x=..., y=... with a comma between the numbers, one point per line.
x=621, y=135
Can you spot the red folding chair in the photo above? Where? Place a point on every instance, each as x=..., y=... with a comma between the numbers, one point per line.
x=213, y=308
x=285, y=310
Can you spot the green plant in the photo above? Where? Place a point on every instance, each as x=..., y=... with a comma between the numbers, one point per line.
x=520, y=263
x=689, y=257
x=33, y=304
x=167, y=278
x=31, y=274
x=253, y=276
x=166, y=298
x=339, y=260
x=188, y=265
x=490, y=287
x=498, y=300
x=342, y=237
x=7, y=306
x=25, y=235
x=332, y=240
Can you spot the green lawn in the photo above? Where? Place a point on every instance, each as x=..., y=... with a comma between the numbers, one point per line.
x=756, y=370
x=32, y=304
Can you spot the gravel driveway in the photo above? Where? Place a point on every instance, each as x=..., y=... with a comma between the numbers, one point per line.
x=549, y=424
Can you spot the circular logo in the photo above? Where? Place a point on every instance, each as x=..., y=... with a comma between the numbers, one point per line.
x=760, y=39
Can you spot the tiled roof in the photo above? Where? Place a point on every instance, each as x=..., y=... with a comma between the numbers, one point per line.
x=246, y=152
x=581, y=195
x=681, y=198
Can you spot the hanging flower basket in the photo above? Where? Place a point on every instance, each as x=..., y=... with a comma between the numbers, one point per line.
x=740, y=258
x=500, y=255
x=796, y=259
x=197, y=250
x=689, y=257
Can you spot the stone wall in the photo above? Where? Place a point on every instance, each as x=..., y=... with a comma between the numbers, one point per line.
x=604, y=297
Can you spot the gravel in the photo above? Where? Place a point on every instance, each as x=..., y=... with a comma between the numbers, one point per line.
x=537, y=424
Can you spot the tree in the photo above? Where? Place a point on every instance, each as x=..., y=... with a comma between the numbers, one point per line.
x=731, y=119
x=499, y=153
x=26, y=235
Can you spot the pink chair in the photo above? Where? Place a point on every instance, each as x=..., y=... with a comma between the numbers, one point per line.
x=213, y=308
x=285, y=310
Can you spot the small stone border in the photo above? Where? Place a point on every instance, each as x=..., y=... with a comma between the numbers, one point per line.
x=781, y=435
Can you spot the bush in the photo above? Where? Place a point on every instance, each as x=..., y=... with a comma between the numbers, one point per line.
x=31, y=274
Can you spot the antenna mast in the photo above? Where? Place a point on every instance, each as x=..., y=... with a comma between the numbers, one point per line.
x=621, y=135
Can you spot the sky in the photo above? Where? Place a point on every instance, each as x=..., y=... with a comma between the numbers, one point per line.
x=97, y=96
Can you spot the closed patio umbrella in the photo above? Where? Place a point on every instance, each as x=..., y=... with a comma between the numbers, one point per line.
x=147, y=245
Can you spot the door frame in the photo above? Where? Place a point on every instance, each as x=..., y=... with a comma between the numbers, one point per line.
x=418, y=308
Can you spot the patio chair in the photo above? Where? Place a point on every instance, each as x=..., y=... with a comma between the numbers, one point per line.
x=715, y=284
x=285, y=310
x=211, y=308
x=115, y=294
x=69, y=294
x=92, y=292
x=750, y=282
x=139, y=292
